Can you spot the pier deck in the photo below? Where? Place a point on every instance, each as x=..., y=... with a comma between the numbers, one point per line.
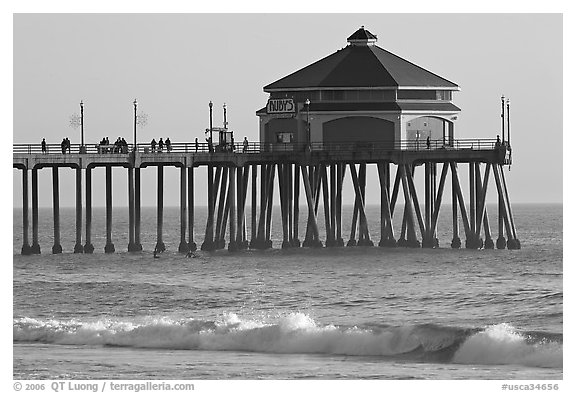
x=319, y=168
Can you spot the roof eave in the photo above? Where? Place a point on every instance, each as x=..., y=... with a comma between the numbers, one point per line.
x=280, y=89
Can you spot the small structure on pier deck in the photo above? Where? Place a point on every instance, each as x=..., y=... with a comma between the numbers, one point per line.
x=359, y=94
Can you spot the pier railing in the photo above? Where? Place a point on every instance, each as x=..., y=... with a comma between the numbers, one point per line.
x=259, y=147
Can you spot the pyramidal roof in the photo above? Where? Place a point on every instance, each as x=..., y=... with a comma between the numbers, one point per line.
x=362, y=64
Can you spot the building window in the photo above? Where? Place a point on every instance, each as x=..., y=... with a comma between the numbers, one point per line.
x=284, y=137
x=444, y=95
x=417, y=94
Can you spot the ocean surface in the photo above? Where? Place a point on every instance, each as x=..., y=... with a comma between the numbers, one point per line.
x=345, y=313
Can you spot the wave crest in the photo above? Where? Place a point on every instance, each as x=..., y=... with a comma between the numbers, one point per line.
x=299, y=333
x=503, y=344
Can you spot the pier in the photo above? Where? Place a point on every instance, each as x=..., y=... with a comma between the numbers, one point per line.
x=321, y=170
x=321, y=129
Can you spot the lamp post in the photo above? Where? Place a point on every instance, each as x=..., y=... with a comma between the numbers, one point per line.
x=225, y=122
x=82, y=149
x=508, y=118
x=210, y=106
x=502, y=118
x=307, y=103
x=78, y=121
x=135, y=121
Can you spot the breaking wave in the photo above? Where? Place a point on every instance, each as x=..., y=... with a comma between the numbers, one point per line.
x=298, y=333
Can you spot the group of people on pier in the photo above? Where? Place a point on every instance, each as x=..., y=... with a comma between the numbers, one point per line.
x=65, y=145
x=161, y=144
x=120, y=146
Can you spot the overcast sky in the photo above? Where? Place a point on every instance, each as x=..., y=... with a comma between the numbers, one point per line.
x=174, y=64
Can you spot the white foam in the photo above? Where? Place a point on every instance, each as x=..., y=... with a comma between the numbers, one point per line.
x=502, y=344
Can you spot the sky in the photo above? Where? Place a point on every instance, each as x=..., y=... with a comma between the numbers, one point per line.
x=174, y=64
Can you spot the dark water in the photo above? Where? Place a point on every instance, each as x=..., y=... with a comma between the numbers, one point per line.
x=329, y=313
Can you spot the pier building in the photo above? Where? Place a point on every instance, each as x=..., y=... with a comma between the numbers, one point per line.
x=359, y=95
x=321, y=128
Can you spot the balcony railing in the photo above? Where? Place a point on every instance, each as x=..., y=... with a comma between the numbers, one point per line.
x=260, y=147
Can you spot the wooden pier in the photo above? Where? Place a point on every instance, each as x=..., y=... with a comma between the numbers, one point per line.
x=320, y=170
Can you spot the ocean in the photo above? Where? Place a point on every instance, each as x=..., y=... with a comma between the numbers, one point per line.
x=332, y=313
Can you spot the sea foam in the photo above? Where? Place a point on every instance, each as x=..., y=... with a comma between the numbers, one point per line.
x=503, y=344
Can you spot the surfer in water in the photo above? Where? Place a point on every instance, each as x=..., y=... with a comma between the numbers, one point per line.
x=155, y=252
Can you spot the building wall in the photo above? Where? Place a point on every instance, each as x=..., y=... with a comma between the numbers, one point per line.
x=437, y=126
x=357, y=129
x=317, y=121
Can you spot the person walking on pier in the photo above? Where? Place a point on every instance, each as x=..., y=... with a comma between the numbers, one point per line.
x=43, y=145
x=498, y=143
x=245, y=145
x=153, y=145
x=168, y=144
x=160, y=145
x=63, y=145
x=196, y=144
x=428, y=142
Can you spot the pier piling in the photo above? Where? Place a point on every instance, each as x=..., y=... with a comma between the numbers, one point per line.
x=35, y=248
x=88, y=246
x=26, y=249
x=78, y=248
x=109, y=247
x=56, y=248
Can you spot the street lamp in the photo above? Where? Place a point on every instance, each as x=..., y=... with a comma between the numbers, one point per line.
x=502, y=118
x=135, y=121
x=307, y=103
x=81, y=126
x=139, y=119
x=210, y=106
x=78, y=121
x=508, y=118
x=225, y=122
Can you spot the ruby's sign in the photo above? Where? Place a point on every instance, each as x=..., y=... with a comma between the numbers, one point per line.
x=282, y=105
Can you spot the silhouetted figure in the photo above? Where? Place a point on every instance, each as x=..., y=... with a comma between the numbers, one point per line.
x=160, y=144
x=245, y=145
x=153, y=145
x=168, y=144
x=68, y=146
x=63, y=145
x=498, y=143
x=210, y=146
x=43, y=146
x=196, y=144
x=428, y=142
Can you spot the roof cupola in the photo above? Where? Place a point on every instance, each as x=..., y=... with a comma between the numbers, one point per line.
x=362, y=37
